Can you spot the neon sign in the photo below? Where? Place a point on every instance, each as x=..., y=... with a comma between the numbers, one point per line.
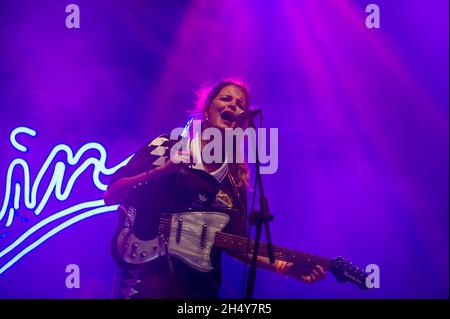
x=26, y=193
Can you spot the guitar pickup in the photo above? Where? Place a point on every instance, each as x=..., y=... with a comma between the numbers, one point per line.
x=203, y=236
x=179, y=227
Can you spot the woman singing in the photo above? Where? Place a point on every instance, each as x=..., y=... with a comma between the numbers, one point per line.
x=153, y=182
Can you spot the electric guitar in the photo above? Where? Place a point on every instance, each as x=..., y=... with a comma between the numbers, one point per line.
x=190, y=236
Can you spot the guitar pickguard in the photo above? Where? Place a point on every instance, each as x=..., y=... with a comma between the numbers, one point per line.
x=198, y=232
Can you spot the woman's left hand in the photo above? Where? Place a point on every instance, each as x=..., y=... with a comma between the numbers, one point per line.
x=307, y=275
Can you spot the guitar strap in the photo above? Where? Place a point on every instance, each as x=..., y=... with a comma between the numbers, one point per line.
x=236, y=191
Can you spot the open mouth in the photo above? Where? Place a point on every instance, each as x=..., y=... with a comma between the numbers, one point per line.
x=227, y=116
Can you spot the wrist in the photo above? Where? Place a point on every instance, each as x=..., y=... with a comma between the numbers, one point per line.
x=280, y=267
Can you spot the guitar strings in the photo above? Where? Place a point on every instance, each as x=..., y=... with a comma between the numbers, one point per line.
x=234, y=242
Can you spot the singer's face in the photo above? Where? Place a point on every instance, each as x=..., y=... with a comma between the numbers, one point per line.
x=226, y=105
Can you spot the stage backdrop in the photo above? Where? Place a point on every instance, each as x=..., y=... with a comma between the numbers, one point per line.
x=362, y=115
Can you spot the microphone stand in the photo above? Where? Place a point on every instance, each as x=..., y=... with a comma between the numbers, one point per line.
x=258, y=218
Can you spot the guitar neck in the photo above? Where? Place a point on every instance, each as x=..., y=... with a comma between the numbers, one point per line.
x=242, y=245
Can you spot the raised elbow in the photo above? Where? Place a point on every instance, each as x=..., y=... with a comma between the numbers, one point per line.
x=108, y=198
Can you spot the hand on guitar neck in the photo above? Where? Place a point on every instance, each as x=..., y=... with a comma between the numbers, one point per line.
x=295, y=270
x=299, y=272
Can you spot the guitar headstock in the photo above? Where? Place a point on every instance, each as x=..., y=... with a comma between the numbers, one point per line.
x=344, y=271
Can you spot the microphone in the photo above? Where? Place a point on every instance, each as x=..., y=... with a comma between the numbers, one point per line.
x=243, y=117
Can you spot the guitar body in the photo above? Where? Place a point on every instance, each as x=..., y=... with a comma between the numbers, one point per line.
x=140, y=215
x=190, y=237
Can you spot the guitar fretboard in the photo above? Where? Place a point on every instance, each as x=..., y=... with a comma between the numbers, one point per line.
x=241, y=245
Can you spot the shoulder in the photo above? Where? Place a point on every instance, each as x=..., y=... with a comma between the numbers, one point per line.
x=152, y=154
x=162, y=141
x=154, y=151
x=159, y=141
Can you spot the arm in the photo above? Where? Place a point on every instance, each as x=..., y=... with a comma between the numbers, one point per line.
x=118, y=191
x=286, y=268
x=308, y=275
